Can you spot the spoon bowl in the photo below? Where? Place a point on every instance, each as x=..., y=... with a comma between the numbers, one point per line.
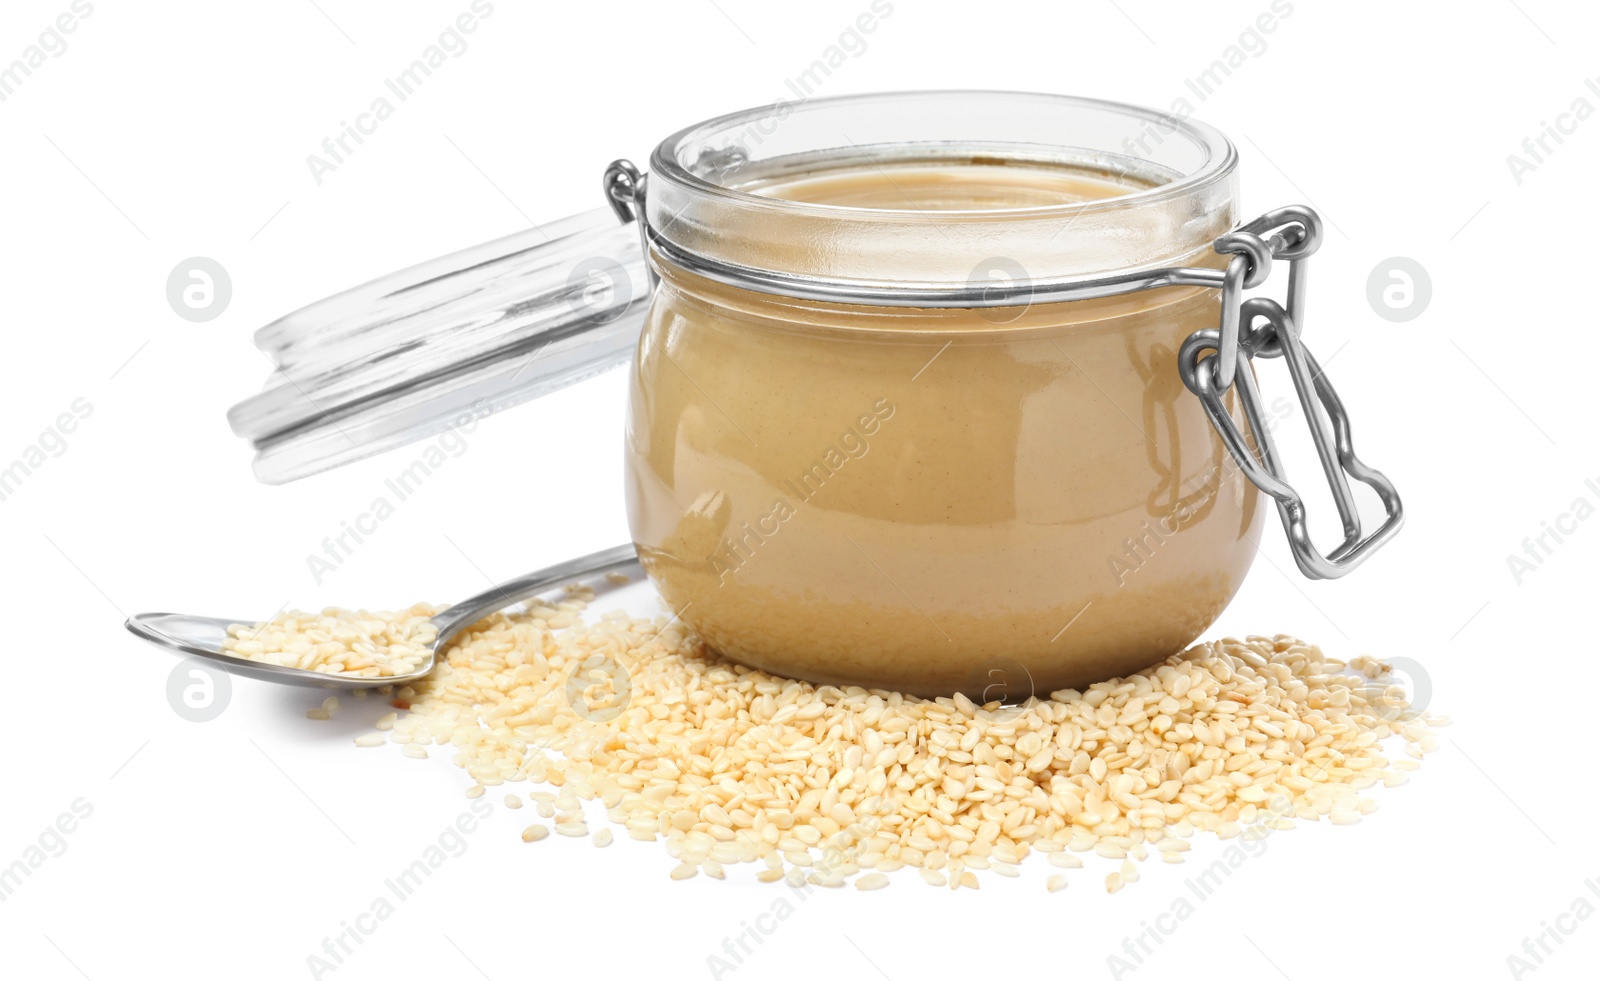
x=198, y=636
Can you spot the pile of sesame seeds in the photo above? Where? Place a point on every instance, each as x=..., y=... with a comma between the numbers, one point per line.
x=357, y=643
x=727, y=765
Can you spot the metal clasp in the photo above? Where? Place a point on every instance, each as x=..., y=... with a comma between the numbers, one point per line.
x=1213, y=361
x=624, y=188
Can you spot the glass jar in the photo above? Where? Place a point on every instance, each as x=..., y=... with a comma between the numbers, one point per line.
x=932, y=499
x=933, y=392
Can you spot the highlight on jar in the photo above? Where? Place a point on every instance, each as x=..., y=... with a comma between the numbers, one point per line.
x=944, y=450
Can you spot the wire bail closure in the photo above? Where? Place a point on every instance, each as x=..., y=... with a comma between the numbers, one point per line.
x=1211, y=362
x=624, y=188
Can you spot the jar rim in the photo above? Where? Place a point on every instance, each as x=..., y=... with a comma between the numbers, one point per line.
x=713, y=200
x=1220, y=157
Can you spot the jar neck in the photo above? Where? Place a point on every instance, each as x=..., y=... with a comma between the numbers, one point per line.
x=939, y=188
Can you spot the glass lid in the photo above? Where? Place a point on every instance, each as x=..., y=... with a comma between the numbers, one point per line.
x=418, y=351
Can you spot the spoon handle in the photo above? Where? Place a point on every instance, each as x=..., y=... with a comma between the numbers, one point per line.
x=472, y=609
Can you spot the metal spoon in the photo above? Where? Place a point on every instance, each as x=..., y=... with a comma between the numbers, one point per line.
x=203, y=636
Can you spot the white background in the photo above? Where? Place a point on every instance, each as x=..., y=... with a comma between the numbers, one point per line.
x=232, y=848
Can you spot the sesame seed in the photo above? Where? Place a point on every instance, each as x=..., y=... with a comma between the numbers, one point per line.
x=352, y=643
x=724, y=764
